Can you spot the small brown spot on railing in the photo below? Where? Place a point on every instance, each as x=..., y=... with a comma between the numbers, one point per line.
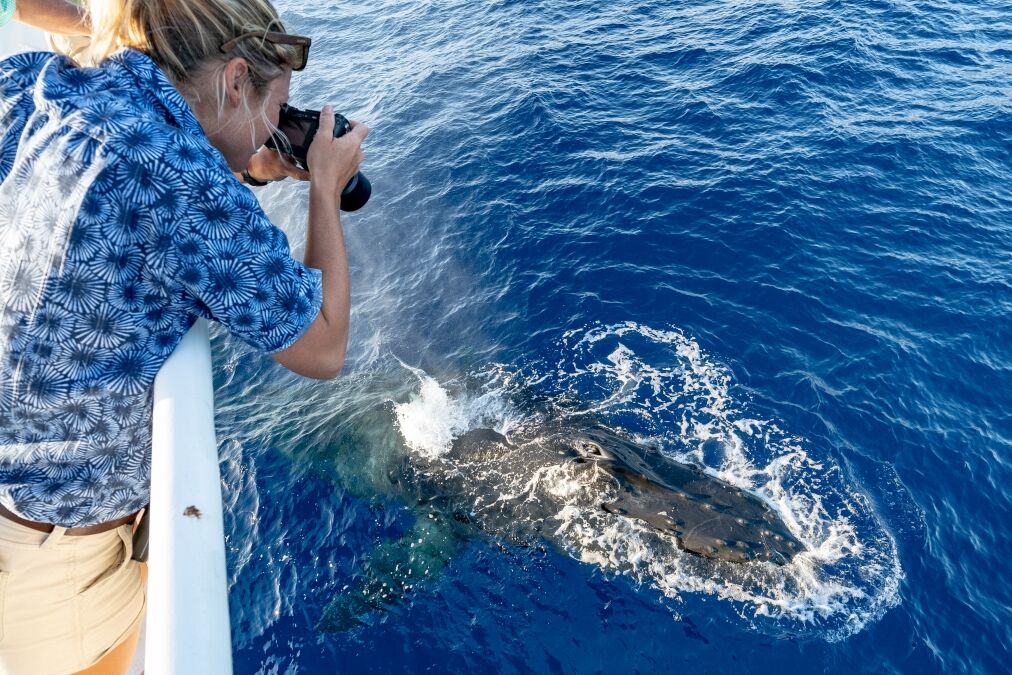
x=192, y=512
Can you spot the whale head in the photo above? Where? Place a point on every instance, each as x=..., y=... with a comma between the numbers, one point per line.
x=705, y=515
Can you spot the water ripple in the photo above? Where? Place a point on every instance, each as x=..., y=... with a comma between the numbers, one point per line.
x=818, y=193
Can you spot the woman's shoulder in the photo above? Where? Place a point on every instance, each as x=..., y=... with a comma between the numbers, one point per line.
x=96, y=101
x=53, y=77
x=21, y=71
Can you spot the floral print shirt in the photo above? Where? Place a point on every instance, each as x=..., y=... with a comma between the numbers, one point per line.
x=120, y=224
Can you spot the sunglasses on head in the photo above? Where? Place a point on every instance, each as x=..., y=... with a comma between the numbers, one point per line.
x=274, y=37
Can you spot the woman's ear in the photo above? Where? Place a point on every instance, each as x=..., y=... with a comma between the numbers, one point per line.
x=236, y=80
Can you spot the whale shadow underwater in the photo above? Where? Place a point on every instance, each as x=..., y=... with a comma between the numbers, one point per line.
x=517, y=489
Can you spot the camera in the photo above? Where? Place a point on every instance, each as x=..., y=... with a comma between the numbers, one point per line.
x=296, y=129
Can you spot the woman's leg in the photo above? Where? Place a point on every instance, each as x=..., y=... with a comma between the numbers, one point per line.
x=117, y=661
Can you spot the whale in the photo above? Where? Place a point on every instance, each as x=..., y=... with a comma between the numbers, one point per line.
x=520, y=488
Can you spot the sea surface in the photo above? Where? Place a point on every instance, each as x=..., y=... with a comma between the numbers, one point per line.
x=773, y=239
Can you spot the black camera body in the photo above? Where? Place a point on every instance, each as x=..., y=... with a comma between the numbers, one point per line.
x=296, y=130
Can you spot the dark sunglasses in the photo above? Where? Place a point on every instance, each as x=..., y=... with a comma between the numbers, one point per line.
x=278, y=39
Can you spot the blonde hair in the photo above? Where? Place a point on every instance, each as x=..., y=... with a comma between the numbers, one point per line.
x=185, y=36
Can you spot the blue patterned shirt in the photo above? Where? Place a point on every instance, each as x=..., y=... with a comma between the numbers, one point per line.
x=120, y=224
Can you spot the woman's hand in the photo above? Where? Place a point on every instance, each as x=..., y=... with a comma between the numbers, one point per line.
x=271, y=165
x=335, y=161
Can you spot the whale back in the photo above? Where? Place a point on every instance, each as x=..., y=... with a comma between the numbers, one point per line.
x=489, y=480
x=705, y=515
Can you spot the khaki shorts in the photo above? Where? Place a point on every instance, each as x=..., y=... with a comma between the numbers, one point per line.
x=65, y=601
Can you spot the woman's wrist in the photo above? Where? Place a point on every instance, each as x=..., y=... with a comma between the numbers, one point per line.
x=323, y=190
x=251, y=180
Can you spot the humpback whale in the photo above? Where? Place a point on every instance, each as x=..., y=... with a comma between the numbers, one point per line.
x=519, y=489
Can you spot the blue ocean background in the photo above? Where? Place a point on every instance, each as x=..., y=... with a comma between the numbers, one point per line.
x=771, y=237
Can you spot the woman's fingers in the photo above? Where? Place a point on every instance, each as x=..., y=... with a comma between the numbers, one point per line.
x=271, y=165
x=293, y=170
x=358, y=129
x=326, y=122
x=335, y=160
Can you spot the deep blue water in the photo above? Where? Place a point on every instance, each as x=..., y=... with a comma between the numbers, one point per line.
x=772, y=238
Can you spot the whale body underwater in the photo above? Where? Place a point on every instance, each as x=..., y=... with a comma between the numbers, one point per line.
x=519, y=489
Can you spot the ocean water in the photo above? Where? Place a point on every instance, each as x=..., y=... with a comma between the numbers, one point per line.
x=769, y=238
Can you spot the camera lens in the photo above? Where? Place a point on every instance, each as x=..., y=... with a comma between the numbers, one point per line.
x=356, y=193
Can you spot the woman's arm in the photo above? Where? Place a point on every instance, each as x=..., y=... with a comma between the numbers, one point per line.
x=320, y=352
x=53, y=16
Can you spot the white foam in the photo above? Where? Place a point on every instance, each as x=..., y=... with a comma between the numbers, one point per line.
x=432, y=418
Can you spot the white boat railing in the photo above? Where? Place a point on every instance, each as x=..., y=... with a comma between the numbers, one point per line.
x=187, y=630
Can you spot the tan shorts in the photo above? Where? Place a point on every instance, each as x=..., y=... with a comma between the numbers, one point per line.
x=65, y=600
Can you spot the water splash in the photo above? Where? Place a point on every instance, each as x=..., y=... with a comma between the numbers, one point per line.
x=432, y=418
x=660, y=387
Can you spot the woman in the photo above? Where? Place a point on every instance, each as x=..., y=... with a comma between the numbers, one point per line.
x=121, y=222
